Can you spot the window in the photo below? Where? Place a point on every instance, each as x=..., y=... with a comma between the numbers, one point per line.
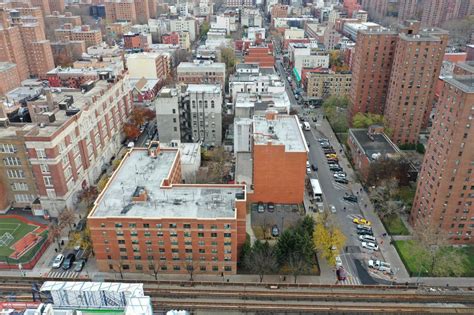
x=122, y=249
x=41, y=153
x=200, y=226
x=177, y=268
x=213, y=234
x=146, y=225
x=11, y=161
x=132, y=225
x=172, y=225
x=227, y=226
x=215, y=268
x=20, y=186
x=213, y=227
x=137, y=257
x=159, y=234
x=159, y=225
x=121, y=241
x=44, y=168
x=147, y=234
x=118, y=225
x=24, y=198
x=48, y=181
x=124, y=257
x=7, y=148
x=125, y=267
x=200, y=234
x=227, y=268
x=187, y=226
x=202, y=251
x=15, y=174
x=227, y=234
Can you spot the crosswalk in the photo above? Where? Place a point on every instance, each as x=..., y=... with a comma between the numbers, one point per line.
x=63, y=274
x=339, y=186
x=350, y=280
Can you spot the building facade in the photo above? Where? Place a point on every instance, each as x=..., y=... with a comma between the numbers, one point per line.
x=149, y=65
x=149, y=222
x=84, y=33
x=9, y=77
x=322, y=85
x=416, y=65
x=445, y=188
x=201, y=72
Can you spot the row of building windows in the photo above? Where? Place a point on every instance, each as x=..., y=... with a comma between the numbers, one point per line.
x=172, y=234
x=154, y=268
x=170, y=225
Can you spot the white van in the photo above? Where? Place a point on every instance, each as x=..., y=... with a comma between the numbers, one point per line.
x=306, y=126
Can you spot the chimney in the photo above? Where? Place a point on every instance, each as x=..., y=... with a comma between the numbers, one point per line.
x=154, y=149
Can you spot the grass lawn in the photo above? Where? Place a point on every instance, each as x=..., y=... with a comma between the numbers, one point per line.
x=395, y=225
x=414, y=262
x=17, y=229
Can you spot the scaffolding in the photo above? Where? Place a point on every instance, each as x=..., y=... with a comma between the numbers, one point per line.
x=99, y=295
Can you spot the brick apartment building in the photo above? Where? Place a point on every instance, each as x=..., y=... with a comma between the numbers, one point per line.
x=415, y=70
x=69, y=137
x=84, y=32
x=371, y=69
x=407, y=10
x=9, y=78
x=446, y=186
x=25, y=45
x=135, y=41
x=56, y=20
x=134, y=11
x=201, y=72
x=279, y=159
x=394, y=73
x=321, y=85
x=57, y=5
x=145, y=220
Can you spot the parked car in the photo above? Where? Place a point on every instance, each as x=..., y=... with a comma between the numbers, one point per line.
x=341, y=274
x=371, y=246
x=331, y=156
x=332, y=208
x=335, y=168
x=367, y=238
x=341, y=180
x=58, y=261
x=350, y=198
x=69, y=261
x=271, y=207
x=333, y=162
x=361, y=221
x=260, y=207
x=365, y=232
x=79, y=265
x=380, y=265
x=307, y=164
x=314, y=167
x=339, y=175
x=338, y=261
x=275, y=231
x=323, y=140
x=308, y=170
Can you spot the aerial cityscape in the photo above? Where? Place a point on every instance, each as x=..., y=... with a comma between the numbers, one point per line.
x=236, y=157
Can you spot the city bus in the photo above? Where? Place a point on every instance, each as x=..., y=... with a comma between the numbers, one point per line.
x=316, y=193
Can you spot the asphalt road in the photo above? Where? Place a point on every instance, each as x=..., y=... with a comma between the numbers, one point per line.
x=284, y=77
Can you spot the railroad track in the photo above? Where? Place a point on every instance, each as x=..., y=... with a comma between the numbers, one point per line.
x=289, y=308
x=412, y=297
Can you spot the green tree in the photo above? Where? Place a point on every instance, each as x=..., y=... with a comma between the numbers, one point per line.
x=228, y=57
x=204, y=28
x=261, y=259
x=364, y=120
x=335, y=109
x=296, y=239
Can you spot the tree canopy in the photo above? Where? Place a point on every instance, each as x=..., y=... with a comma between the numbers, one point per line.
x=365, y=120
x=328, y=240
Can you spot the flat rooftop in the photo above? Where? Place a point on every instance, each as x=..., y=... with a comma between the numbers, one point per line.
x=177, y=201
x=463, y=82
x=207, y=88
x=202, y=64
x=283, y=130
x=378, y=144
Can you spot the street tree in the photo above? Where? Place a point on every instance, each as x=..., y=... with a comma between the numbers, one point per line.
x=88, y=195
x=204, y=28
x=140, y=115
x=328, y=240
x=228, y=57
x=54, y=233
x=386, y=168
x=67, y=217
x=131, y=131
x=261, y=259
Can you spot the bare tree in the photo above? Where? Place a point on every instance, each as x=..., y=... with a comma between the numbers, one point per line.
x=432, y=246
x=190, y=266
x=261, y=259
x=298, y=264
x=67, y=217
x=383, y=196
x=155, y=266
x=54, y=233
x=119, y=266
x=88, y=195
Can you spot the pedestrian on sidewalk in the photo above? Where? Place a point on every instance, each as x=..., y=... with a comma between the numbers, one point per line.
x=381, y=242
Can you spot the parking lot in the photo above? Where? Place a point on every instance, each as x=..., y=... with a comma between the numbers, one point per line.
x=283, y=216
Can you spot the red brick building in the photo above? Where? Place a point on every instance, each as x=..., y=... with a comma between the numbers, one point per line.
x=145, y=220
x=415, y=70
x=135, y=41
x=263, y=55
x=279, y=159
x=170, y=38
x=394, y=73
x=446, y=185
